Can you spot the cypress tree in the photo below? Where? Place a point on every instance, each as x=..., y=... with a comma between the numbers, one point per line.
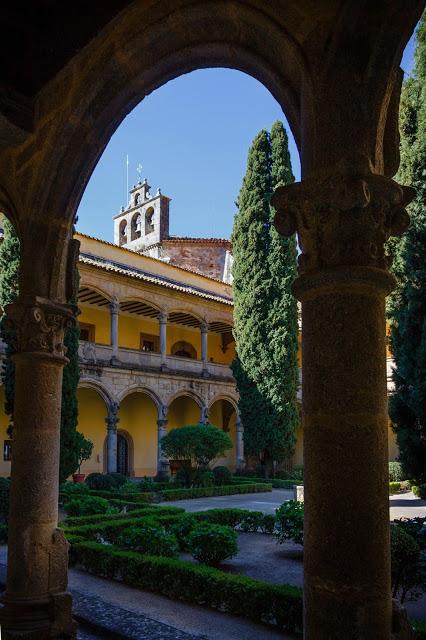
x=250, y=240
x=265, y=311
x=10, y=255
x=407, y=305
x=70, y=447
x=282, y=312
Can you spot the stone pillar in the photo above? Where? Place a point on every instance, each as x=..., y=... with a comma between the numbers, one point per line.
x=239, y=454
x=163, y=467
x=204, y=415
x=114, y=308
x=36, y=603
x=343, y=223
x=112, y=421
x=162, y=319
x=204, y=328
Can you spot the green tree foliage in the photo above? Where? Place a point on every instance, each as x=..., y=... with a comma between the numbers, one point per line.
x=198, y=444
x=407, y=305
x=265, y=313
x=10, y=255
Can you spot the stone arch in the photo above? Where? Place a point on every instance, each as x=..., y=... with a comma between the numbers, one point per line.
x=233, y=401
x=105, y=394
x=204, y=36
x=186, y=393
x=181, y=348
x=137, y=388
x=149, y=222
x=123, y=232
x=93, y=287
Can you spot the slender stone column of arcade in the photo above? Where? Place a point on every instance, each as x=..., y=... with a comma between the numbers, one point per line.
x=239, y=444
x=204, y=328
x=114, y=308
x=162, y=319
x=112, y=421
x=342, y=224
x=36, y=603
x=163, y=466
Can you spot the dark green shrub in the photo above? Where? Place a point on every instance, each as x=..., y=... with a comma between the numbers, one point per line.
x=222, y=476
x=394, y=487
x=74, y=488
x=396, y=473
x=255, y=521
x=99, y=481
x=280, y=605
x=212, y=543
x=205, y=479
x=419, y=490
x=87, y=506
x=289, y=522
x=415, y=527
x=146, y=484
x=4, y=498
x=419, y=627
x=150, y=539
x=182, y=528
x=408, y=565
x=117, y=480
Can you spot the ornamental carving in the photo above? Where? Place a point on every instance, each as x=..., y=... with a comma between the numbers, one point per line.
x=39, y=326
x=344, y=220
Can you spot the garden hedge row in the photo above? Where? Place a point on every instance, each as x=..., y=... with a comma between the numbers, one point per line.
x=280, y=605
x=148, y=510
x=275, y=482
x=206, y=492
x=394, y=487
x=419, y=490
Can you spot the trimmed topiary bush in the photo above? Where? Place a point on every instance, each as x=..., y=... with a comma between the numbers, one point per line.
x=88, y=505
x=394, y=487
x=118, y=480
x=289, y=522
x=222, y=476
x=105, y=481
x=150, y=539
x=212, y=543
x=182, y=528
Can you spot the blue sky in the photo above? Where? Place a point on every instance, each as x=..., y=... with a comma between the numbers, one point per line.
x=191, y=137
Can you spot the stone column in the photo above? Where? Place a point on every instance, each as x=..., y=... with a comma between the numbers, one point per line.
x=162, y=319
x=36, y=603
x=163, y=467
x=204, y=415
x=112, y=421
x=343, y=222
x=204, y=328
x=114, y=308
x=239, y=453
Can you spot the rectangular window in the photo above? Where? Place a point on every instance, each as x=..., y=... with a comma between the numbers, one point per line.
x=149, y=343
x=7, y=450
x=87, y=332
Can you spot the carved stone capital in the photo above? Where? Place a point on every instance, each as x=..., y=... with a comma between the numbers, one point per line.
x=162, y=317
x=343, y=220
x=114, y=306
x=39, y=326
x=112, y=418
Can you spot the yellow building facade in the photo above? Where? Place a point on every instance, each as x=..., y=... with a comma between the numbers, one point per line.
x=156, y=343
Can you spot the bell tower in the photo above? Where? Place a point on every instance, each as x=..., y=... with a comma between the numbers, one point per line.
x=145, y=222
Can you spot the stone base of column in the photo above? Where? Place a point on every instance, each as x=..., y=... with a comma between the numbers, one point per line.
x=39, y=620
x=205, y=373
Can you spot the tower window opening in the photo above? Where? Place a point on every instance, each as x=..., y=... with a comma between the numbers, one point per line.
x=149, y=220
x=136, y=226
x=123, y=232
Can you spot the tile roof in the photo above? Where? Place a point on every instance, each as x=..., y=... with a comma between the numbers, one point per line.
x=140, y=274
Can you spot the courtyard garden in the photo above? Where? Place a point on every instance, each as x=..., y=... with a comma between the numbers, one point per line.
x=241, y=561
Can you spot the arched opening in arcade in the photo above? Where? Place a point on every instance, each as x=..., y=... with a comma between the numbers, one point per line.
x=223, y=414
x=137, y=435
